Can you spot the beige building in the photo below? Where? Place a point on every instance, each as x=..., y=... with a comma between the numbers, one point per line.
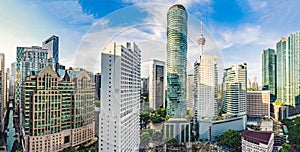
x=58, y=110
x=258, y=103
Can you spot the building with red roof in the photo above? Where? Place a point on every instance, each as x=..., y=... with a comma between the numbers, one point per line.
x=257, y=141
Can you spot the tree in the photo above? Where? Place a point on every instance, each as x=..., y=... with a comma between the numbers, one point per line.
x=230, y=138
x=171, y=140
x=286, y=147
x=144, y=117
x=156, y=118
x=162, y=112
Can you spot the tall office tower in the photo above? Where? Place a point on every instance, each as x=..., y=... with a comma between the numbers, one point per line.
x=235, y=90
x=190, y=92
x=258, y=103
x=206, y=82
x=177, y=126
x=294, y=46
x=120, y=97
x=98, y=86
x=269, y=72
x=156, y=84
x=52, y=44
x=176, y=61
x=30, y=60
x=12, y=83
x=144, y=86
x=282, y=63
x=206, y=87
x=252, y=83
x=2, y=91
x=58, y=110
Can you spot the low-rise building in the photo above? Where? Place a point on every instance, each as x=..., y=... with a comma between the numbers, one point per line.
x=257, y=141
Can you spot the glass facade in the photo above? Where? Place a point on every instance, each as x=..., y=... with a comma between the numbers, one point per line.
x=294, y=47
x=269, y=72
x=51, y=45
x=176, y=61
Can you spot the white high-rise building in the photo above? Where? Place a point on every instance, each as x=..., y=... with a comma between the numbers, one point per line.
x=206, y=83
x=120, y=96
x=156, y=84
x=235, y=90
x=206, y=80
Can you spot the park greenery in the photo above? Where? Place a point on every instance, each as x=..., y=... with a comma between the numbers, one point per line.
x=230, y=139
x=293, y=126
x=150, y=136
x=155, y=116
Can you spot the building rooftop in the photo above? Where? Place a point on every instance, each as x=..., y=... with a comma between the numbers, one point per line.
x=257, y=136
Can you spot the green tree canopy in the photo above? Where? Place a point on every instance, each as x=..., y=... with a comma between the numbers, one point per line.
x=230, y=139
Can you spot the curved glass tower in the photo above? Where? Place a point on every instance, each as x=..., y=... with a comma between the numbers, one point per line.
x=176, y=61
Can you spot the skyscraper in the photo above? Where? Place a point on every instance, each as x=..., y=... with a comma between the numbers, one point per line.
x=52, y=45
x=294, y=46
x=235, y=90
x=282, y=63
x=2, y=91
x=30, y=60
x=58, y=110
x=269, y=72
x=98, y=86
x=206, y=82
x=177, y=126
x=156, y=84
x=120, y=97
x=190, y=92
x=176, y=60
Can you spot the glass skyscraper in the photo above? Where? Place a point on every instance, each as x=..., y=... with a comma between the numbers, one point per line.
x=294, y=47
x=282, y=67
x=269, y=72
x=176, y=61
x=51, y=44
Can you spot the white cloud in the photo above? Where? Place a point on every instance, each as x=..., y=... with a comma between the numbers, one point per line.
x=257, y=4
x=71, y=11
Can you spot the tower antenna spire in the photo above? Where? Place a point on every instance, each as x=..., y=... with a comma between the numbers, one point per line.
x=201, y=39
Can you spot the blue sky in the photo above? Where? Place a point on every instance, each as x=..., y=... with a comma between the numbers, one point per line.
x=236, y=30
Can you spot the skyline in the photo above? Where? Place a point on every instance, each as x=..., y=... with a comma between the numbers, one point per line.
x=250, y=26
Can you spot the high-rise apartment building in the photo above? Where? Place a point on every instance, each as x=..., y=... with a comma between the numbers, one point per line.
x=206, y=85
x=288, y=75
x=294, y=47
x=269, y=72
x=156, y=84
x=190, y=92
x=258, y=103
x=2, y=92
x=98, y=86
x=52, y=45
x=120, y=97
x=176, y=60
x=235, y=90
x=58, y=110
